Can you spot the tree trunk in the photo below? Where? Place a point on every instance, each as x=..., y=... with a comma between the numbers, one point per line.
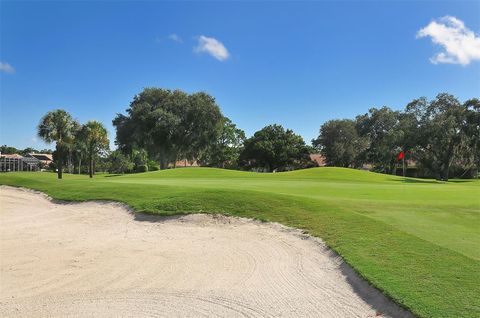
x=445, y=172
x=69, y=160
x=60, y=162
x=162, y=164
x=60, y=168
x=79, y=165
x=162, y=159
x=447, y=161
x=90, y=170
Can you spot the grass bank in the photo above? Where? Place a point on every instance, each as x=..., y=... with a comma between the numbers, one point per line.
x=416, y=240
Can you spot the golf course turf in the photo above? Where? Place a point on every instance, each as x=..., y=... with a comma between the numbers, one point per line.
x=416, y=240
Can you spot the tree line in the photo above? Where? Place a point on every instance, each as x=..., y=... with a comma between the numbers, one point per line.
x=171, y=125
x=440, y=136
x=161, y=127
x=4, y=149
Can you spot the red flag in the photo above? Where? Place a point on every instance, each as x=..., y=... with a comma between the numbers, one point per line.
x=400, y=156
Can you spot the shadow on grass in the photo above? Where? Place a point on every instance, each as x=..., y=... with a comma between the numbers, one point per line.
x=411, y=180
x=430, y=181
x=375, y=298
x=463, y=180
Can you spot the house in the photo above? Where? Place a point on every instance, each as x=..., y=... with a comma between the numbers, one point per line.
x=184, y=163
x=319, y=159
x=45, y=158
x=16, y=162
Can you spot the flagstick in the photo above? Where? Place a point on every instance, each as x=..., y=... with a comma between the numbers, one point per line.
x=403, y=163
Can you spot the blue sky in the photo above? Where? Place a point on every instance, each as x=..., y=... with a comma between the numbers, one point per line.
x=293, y=63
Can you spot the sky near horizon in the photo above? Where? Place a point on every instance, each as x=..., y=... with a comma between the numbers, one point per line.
x=297, y=64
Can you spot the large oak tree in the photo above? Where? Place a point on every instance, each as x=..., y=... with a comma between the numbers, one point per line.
x=169, y=125
x=224, y=152
x=273, y=148
x=340, y=143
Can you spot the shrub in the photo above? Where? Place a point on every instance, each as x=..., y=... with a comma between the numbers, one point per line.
x=153, y=166
x=142, y=168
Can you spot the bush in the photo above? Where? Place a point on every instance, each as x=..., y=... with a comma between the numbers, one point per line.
x=142, y=168
x=153, y=166
x=462, y=172
x=119, y=163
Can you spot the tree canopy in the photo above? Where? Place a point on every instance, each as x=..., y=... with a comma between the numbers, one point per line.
x=273, y=149
x=441, y=137
x=93, y=135
x=224, y=152
x=169, y=125
x=58, y=126
x=340, y=143
x=382, y=128
x=437, y=134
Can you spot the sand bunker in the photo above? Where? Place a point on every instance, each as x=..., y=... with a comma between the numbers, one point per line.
x=98, y=260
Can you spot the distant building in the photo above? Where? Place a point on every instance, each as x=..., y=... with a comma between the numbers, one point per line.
x=318, y=159
x=366, y=166
x=16, y=162
x=45, y=158
x=184, y=163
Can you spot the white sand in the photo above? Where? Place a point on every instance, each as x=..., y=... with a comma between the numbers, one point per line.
x=99, y=260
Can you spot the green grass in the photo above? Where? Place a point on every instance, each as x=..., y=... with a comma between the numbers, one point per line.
x=416, y=240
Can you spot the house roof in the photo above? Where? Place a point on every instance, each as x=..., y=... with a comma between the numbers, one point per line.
x=30, y=160
x=12, y=156
x=42, y=156
x=318, y=158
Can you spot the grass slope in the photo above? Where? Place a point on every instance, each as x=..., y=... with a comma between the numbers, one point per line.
x=417, y=240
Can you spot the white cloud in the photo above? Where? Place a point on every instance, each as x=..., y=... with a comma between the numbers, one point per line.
x=7, y=68
x=174, y=37
x=461, y=45
x=213, y=47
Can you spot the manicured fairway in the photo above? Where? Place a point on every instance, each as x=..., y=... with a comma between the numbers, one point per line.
x=417, y=240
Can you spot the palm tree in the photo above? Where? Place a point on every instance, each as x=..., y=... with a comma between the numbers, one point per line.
x=80, y=148
x=95, y=138
x=58, y=126
x=72, y=146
